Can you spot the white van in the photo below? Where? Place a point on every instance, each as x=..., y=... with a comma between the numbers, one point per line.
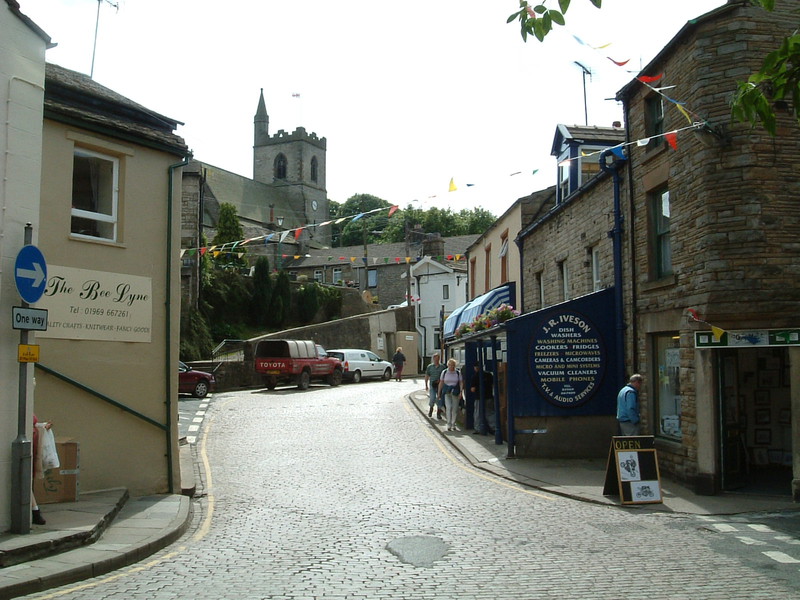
x=359, y=364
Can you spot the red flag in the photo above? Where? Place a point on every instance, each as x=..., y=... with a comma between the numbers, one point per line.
x=619, y=63
x=650, y=79
x=393, y=210
x=297, y=233
x=672, y=140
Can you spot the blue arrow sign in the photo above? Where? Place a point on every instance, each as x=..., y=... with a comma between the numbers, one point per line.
x=30, y=273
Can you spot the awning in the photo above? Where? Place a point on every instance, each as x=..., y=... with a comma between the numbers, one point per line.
x=477, y=306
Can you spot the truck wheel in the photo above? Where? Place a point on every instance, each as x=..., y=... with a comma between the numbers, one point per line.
x=335, y=378
x=271, y=383
x=304, y=380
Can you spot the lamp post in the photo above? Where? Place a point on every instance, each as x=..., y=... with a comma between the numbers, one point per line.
x=280, y=244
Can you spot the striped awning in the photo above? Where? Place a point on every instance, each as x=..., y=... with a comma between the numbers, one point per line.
x=477, y=306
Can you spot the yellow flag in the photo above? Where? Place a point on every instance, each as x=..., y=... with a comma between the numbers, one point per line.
x=717, y=332
x=453, y=187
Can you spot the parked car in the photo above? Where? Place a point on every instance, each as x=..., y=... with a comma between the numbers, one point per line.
x=196, y=383
x=359, y=364
x=296, y=361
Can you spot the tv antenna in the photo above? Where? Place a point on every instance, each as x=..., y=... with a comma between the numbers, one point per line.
x=586, y=71
x=96, y=27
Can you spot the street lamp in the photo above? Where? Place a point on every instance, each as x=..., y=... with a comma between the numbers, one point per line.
x=280, y=244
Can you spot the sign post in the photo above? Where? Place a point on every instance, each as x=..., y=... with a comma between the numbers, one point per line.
x=30, y=276
x=632, y=470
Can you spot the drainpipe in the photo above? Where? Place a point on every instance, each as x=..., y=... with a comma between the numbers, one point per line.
x=170, y=377
x=617, y=159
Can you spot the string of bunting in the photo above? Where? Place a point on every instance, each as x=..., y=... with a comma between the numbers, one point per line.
x=716, y=331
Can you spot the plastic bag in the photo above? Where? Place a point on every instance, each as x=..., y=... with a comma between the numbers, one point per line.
x=49, y=454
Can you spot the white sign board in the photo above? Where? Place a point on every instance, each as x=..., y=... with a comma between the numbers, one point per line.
x=96, y=305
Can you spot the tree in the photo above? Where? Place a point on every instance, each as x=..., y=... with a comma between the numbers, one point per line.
x=262, y=292
x=777, y=83
x=352, y=232
x=229, y=230
x=281, y=300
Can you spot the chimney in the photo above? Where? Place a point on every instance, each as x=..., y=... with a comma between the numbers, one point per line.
x=433, y=245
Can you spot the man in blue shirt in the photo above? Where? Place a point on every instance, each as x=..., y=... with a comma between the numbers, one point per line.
x=628, y=406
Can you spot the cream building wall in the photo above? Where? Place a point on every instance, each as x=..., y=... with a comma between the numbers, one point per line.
x=117, y=448
x=21, y=90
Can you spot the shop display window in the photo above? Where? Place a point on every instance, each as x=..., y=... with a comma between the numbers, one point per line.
x=667, y=387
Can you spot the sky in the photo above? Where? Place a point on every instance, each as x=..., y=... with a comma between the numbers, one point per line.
x=409, y=95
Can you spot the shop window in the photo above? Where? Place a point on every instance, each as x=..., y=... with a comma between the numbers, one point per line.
x=95, y=195
x=667, y=387
x=661, y=233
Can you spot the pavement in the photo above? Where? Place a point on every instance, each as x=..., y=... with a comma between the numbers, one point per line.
x=107, y=530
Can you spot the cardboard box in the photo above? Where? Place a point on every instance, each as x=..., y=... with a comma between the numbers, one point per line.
x=60, y=485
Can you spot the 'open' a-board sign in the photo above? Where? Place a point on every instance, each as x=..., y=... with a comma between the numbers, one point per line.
x=632, y=470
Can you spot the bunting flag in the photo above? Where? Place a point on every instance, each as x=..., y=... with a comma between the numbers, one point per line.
x=393, y=210
x=285, y=234
x=297, y=232
x=672, y=139
x=650, y=78
x=357, y=217
x=716, y=331
x=619, y=63
x=453, y=187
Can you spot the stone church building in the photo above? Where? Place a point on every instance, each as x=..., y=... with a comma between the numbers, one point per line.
x=287, y=191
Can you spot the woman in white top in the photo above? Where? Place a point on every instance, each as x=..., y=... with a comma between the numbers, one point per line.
x=451, y=384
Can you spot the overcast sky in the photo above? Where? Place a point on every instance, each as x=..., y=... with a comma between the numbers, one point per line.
x=409, y=94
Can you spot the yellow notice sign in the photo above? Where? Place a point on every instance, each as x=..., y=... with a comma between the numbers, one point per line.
x=27, y=353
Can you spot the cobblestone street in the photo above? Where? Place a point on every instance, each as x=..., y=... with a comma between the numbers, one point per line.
x=346, y=492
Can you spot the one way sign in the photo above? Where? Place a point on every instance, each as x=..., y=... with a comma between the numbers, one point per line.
x=30, y=273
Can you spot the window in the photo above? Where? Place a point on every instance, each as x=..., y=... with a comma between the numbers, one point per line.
x=662, y=240
x=293, y=275
x=589, y=163
x=337, y=276
x=504, y=258
x=281, y=165
x=597, y=283
x=445, y=292
x=487, y=270
x=667, y=386
x=472, y=275
x=564, y=273
x=563, y=178
x=654, y=121
x=314, y=168
x=95, y=195
x=372, y=278
x=318, y=276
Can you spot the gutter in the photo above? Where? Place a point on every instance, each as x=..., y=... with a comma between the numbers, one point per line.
x=168, y=322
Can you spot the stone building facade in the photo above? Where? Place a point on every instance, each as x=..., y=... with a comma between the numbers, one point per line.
x=709, y=257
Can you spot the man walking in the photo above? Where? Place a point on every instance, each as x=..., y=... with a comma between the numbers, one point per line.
x=628, y=406
x=432, y=374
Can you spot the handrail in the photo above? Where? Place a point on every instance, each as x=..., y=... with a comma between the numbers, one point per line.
x=100, y=395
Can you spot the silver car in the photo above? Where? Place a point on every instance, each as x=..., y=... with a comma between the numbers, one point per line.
x=359, y=364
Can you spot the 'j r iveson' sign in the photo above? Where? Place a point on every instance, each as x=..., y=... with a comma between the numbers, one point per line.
x=566, y=359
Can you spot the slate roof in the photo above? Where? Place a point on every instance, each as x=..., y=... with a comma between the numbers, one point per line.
x=72, y=97
x=452, y=246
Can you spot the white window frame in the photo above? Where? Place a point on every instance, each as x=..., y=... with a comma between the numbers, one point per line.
x=319, y=276
x=445, y=291
x=597, y=283
x=562, y=266
x=337, y=276
x=109, y=218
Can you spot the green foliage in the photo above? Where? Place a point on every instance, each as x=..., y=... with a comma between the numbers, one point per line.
x=437, y=220
x=229, y=230
x=331, y=301
x=226, y=300
x=352, y=233
x=262, y=292
x=538, y=20
x=777, y=82
x=281, y=300
x=196, y=342
x=308, y=301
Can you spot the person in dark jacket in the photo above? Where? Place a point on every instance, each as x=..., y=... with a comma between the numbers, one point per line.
x=399, y=360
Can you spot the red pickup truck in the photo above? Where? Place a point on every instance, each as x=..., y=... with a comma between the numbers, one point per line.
x=296, y=361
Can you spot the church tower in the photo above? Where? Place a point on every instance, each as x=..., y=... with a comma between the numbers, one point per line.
x=295, y=163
